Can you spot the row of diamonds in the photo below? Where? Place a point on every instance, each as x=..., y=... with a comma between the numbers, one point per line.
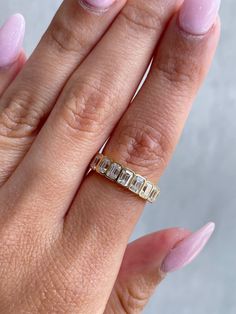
x=125, y=177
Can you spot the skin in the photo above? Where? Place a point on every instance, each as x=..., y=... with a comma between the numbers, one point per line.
x=63, y=236
x=8, y=74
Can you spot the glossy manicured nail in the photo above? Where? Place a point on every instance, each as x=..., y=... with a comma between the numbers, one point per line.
x=11, y=39
x=97, y=5
x=188, y=249
x=198, y=16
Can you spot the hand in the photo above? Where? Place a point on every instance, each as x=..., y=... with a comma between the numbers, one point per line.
x=63, y=235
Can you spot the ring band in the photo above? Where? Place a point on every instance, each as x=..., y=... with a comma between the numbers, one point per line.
x=125, y=177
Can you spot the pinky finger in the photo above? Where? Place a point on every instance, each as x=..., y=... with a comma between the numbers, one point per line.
x=12, y=57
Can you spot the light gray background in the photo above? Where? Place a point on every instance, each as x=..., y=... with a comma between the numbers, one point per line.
x=199, y=185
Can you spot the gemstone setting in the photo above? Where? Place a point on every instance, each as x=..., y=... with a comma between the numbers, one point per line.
x=104, y=164
x=95, y=161
x=136, y=184
x=125, y=177
x=154, y=194
x=146, y=190
x=113, y=171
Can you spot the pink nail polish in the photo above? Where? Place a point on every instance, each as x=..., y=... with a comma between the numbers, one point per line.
x=97, y=5
x=198, y=16
x=11, y=39
x=188, y=249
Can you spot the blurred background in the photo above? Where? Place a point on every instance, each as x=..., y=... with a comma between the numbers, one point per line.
x=200, y=182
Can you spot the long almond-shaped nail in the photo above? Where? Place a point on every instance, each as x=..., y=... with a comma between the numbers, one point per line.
x=97, y=5
x=198, y=16
x=11, y=39
x=188, y=249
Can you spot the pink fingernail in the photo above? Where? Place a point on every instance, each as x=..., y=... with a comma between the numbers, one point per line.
x=97, y=5
x=198, y=16
x=188, y=249
x=11, y=39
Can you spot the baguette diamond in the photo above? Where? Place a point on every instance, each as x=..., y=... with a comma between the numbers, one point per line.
x=154, y=194
x=125, y=177
x=104, y=165
x=136, y=184
x=114, y=171
x=96, y=161
x=146, y=190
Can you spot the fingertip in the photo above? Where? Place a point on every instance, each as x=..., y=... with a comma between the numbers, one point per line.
x=11, y=39
x=197, y=17
x=188, y=249
x=8, y=73
x=148, y=252
x=19, y=19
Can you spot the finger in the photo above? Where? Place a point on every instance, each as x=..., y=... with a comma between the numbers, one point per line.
x=93, y=101
x=146, y=136
x=12, y=58
x=143, y=140
x=8, y=74
x=27, y=102
x=145, y=262
x=141, y=271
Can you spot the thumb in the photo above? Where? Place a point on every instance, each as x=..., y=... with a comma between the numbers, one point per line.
x=147, y=260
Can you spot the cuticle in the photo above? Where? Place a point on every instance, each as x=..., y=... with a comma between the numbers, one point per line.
x=9, y=65
x=91, y=8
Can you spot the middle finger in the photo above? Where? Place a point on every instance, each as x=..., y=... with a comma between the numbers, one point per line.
x=91, y=104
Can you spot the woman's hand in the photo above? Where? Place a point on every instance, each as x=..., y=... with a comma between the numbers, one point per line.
x=64, y=235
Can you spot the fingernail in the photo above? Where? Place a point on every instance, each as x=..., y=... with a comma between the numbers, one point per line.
x=188, y=249
x=11, y=39
x=97, y=5
x=198, y=16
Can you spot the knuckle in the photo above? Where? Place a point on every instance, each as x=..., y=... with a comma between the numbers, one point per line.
x=86, y=109
x=144, y=16
x=131, y=298
x=176, y=70
x=144, y=147
x=64, y=37
x=20, y=117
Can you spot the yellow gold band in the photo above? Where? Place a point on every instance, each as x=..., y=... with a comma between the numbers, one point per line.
x=125, y=177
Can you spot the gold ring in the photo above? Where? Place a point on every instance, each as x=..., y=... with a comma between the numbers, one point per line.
x=125, y=177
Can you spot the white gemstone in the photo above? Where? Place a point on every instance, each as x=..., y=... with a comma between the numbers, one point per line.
x=125, y=177
x=104, y=165
x=146, y=190
x=154, y=194
x=95, y=161
x=114, y=171
x=136, y=184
